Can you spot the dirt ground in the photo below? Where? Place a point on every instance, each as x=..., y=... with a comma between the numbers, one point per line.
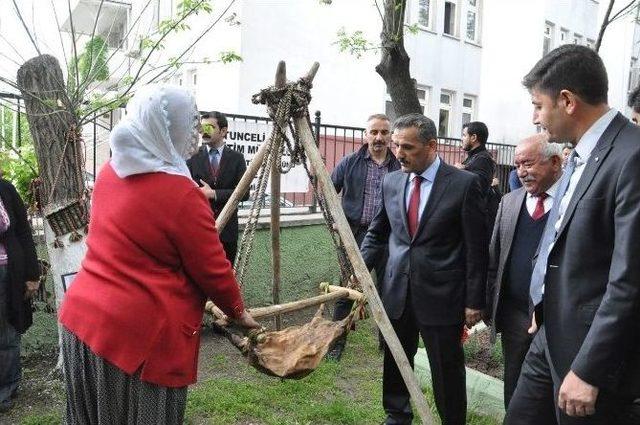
x=484, y=357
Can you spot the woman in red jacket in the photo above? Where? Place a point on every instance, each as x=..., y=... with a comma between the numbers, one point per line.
x=131, y=319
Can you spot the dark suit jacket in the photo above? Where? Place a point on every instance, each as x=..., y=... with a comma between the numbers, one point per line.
x=444, y=266
x=481, y=162
x=500, y=249
x=23, y=263
x=591, y=303
x=232, y=167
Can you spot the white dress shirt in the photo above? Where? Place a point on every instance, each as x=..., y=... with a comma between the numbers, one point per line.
x=532, y=201
x=428, y=176
x=583, y=149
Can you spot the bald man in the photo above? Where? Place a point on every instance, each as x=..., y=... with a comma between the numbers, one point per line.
x=520, y=221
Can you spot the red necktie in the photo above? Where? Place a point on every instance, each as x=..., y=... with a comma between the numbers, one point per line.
x=414, y=206
x=538, y=213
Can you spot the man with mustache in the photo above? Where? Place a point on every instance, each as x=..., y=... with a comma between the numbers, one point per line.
x=358, y=177
x=432, y=222
x=520, y=220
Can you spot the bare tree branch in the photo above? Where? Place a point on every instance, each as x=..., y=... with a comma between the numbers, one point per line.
x=75, y=48
x=224, y=12
x=145, y=60
x=12, y=47
x=624, y=11
x=64, y=52
x=26, y=28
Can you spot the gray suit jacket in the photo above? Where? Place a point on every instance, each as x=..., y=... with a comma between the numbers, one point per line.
x=591, y=304
x=442, y=269
x=500, y=249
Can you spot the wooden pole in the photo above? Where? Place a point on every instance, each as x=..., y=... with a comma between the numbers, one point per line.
x=242, y=187
x=274, y=310
x=281, y=81
x=353, y=294
x=361, y=271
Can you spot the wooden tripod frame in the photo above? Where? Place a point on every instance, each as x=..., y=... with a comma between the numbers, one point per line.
x=325, y=186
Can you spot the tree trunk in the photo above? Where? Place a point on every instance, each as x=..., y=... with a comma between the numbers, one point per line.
x=603, y=27
x=394, y=63
x=57, y=143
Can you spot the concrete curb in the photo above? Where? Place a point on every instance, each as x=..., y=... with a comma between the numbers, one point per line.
x=288, y=220
x=485, y=394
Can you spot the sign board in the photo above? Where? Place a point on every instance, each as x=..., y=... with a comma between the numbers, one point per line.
x=246, y=138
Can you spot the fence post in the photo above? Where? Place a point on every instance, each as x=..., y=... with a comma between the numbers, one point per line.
x=18, y=130
x=95, y=144
x=316, y=126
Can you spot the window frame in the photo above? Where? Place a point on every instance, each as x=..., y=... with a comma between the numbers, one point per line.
x=475, y=10
x=449, y=107
x=456, y=21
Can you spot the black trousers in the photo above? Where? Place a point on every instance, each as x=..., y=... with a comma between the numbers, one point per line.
x=343, y=306
x=446, y=359
x=514, y=323
x=534, y=400
x=230, y=249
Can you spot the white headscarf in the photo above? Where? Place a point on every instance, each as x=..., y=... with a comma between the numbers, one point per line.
x=158, y=133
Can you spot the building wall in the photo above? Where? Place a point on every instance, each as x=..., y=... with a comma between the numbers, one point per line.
x=347, y=89
x=513, y=38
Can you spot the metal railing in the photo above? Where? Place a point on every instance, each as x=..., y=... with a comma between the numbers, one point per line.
x=333, y=141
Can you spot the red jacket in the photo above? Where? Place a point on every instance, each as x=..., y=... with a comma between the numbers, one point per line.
x=153, y=257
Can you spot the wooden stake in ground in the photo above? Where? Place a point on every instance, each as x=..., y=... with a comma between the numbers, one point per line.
x=281, y=80
x=361, y=273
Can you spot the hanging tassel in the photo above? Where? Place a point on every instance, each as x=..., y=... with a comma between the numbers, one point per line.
x=75, y=236
x=57, y=243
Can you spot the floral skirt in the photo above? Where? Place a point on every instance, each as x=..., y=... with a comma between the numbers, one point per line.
x=99, y=393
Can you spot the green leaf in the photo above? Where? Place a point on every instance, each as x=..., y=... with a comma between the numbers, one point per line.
x=229, y=56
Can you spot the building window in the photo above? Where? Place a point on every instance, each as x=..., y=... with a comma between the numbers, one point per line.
x=577, y=39
x=468, y=109
x=450, y=17
x=547, y=43
x=424, y=13
x=564, y=36
x=634, y=74
x=444, y=120
x=472, y=20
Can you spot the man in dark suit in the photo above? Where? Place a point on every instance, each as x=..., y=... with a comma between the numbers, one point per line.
x=218, y=169
x=582, y=367
x=432, y=222
x=521, y=218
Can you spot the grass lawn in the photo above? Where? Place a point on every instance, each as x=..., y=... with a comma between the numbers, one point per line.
x=228, y=390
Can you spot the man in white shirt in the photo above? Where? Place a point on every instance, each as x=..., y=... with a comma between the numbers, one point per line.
x=520, y=221
x=582, y=367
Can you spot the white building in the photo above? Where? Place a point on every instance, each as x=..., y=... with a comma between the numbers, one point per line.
x=468, y=57
x=517, y=33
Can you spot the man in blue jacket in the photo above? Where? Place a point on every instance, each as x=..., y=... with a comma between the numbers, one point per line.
x=358, y=177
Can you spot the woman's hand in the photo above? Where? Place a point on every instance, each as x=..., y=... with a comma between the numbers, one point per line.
x=246, y=321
